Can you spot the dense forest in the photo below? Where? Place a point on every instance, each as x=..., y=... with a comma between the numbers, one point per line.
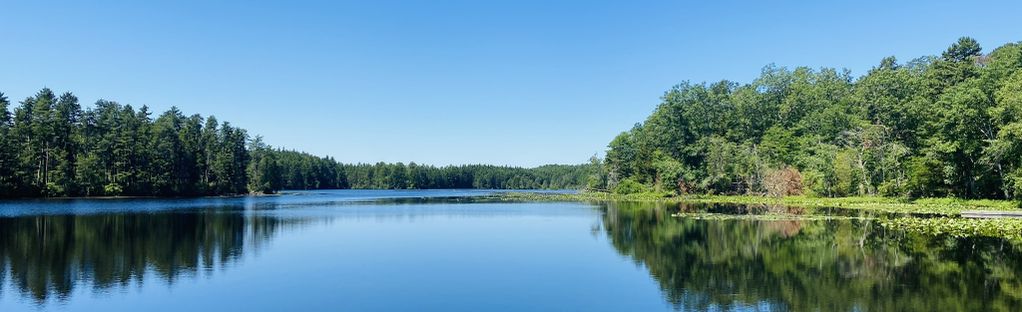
x=50, y=146
x=275, y=169
x=948, y=125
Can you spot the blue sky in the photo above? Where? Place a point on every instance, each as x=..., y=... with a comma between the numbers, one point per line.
x=451, y=82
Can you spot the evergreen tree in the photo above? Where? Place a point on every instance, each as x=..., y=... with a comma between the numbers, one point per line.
x=8, y=159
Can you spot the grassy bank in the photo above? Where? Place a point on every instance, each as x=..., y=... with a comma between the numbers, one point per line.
x=942, y=206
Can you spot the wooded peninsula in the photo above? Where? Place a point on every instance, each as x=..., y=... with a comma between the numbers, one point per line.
x=936, y=126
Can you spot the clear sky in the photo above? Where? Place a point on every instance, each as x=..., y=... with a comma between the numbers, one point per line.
x=451, y=82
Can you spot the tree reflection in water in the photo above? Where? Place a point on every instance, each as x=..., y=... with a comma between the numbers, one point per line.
x=830, y=265
x=48, y=256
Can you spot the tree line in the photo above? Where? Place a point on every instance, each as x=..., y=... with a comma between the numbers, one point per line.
x=275, y=169
x=948, y=125
x=398, y=176
x=50, y=146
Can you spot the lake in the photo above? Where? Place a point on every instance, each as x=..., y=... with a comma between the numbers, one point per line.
x=463, y=250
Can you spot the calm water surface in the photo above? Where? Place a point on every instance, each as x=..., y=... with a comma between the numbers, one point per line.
x=459, y=250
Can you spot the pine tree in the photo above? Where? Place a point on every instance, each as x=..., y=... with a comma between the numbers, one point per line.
x=8, y=161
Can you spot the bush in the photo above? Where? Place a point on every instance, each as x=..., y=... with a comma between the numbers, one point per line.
x=112, y=189
x=52, y=189
x=924, y=178
x=783, y=182
x=815, y=183
x=1014, y=184
x=595, y=183
x=892, y=189
x=629, y=186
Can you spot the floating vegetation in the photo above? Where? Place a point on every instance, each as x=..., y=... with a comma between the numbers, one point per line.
x=933, y=206
x=929, y=216
x=1010, y=229
x=762, y=217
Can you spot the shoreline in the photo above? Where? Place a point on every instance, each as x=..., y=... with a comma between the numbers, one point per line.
x=944, y=220
x=135, y=197
x=943, y=206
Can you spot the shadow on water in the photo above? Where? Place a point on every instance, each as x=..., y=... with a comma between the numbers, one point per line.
x=818, y=265
x=46, y=257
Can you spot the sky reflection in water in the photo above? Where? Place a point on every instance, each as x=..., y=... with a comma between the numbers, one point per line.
x=435, y=250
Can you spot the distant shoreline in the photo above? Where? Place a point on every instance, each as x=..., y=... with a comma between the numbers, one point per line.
x=277, y=193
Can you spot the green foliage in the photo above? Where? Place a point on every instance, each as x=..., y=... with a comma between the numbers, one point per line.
x=670, y=173
x=962, y=50
x=9, y=183
x=935, y=126
x=264, y=171
x=925, y=178
x=629, y=186
x=597, y=177
x=401, y=176
x=843, y=174
x=1007, y=228
x=113, y=189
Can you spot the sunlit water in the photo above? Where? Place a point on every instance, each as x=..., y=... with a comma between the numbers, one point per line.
x=459, y=250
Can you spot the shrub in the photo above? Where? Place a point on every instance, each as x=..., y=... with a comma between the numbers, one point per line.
x=891, y=188
x=924, y=178
x=112, y=189
x=815, y=183
x=630, y=186
x=783, y=182
x=52, y=189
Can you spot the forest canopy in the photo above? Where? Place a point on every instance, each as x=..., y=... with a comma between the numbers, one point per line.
x=50, y=146
x=947, y=125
